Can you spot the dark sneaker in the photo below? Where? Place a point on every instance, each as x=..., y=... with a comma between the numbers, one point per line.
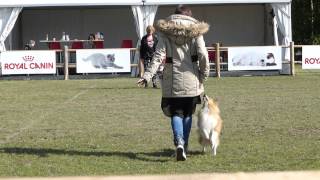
x=181, y=155
x=185, y=148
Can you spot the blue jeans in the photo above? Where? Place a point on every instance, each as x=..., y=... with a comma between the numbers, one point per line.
x=181, y=129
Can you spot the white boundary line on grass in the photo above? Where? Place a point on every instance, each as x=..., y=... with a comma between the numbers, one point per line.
x=30, y=124
x=79, y=94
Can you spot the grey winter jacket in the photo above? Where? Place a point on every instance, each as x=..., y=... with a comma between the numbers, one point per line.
x=181, y=44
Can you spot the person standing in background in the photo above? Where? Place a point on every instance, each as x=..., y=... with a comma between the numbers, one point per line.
x=147, y=49
x=180, y=40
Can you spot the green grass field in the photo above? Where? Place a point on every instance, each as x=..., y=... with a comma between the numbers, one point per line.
x=112, y=127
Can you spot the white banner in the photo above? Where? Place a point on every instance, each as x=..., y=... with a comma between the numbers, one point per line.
x=255, y=58
x=28, y=62
x=310, y=57
x=103, y=60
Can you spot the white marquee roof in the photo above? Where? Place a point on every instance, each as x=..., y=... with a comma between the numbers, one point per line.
x=159, y=2
x=38, y=3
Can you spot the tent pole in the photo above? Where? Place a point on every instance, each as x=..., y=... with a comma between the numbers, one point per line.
x=217, y=48
x=292, y=68
x=66, y=63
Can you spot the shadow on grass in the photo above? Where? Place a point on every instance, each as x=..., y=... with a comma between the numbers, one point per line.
x=111, y=88
x=161, y=156
x=195, y=153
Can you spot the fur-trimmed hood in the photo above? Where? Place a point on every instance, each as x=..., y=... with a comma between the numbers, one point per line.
x=181, y=28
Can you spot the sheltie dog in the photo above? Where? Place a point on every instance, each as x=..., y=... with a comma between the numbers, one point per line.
x=209, y=124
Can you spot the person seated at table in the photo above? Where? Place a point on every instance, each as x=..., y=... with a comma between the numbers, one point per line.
x=91, y=38
x=94, y=42
x=30, y=45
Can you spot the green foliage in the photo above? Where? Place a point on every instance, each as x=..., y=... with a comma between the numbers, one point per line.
x=305, y=22
x=112, y=127
x=301, y=21
x=316, y=17
x=316, y=39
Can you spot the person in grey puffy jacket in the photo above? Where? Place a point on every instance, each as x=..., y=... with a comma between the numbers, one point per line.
x=181, y=45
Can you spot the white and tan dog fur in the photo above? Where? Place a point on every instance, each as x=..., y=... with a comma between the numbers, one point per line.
x=209, y=124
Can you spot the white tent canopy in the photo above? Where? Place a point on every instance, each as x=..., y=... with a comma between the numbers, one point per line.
x=41, y=3
x=165, y=2
x=8, y=17
x=144, y=12
x=38, y=3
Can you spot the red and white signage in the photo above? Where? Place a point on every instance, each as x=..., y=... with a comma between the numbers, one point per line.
x=310, y=57
x=28, y=62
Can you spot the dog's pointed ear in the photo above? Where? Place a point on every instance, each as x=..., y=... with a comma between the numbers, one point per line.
x=203, y=96
x=203, y=99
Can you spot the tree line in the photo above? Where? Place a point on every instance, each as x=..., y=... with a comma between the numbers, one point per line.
x=306, y=21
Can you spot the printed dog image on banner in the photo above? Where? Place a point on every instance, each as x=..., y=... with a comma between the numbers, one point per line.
x=100, y=60
x=103, y=60
x=255, y=58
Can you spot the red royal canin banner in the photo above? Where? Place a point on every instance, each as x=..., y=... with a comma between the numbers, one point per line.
x=28, y=62
x=310, y=57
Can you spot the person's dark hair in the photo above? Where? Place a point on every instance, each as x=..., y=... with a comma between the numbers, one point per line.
x=91, y=37
x=183, y=9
